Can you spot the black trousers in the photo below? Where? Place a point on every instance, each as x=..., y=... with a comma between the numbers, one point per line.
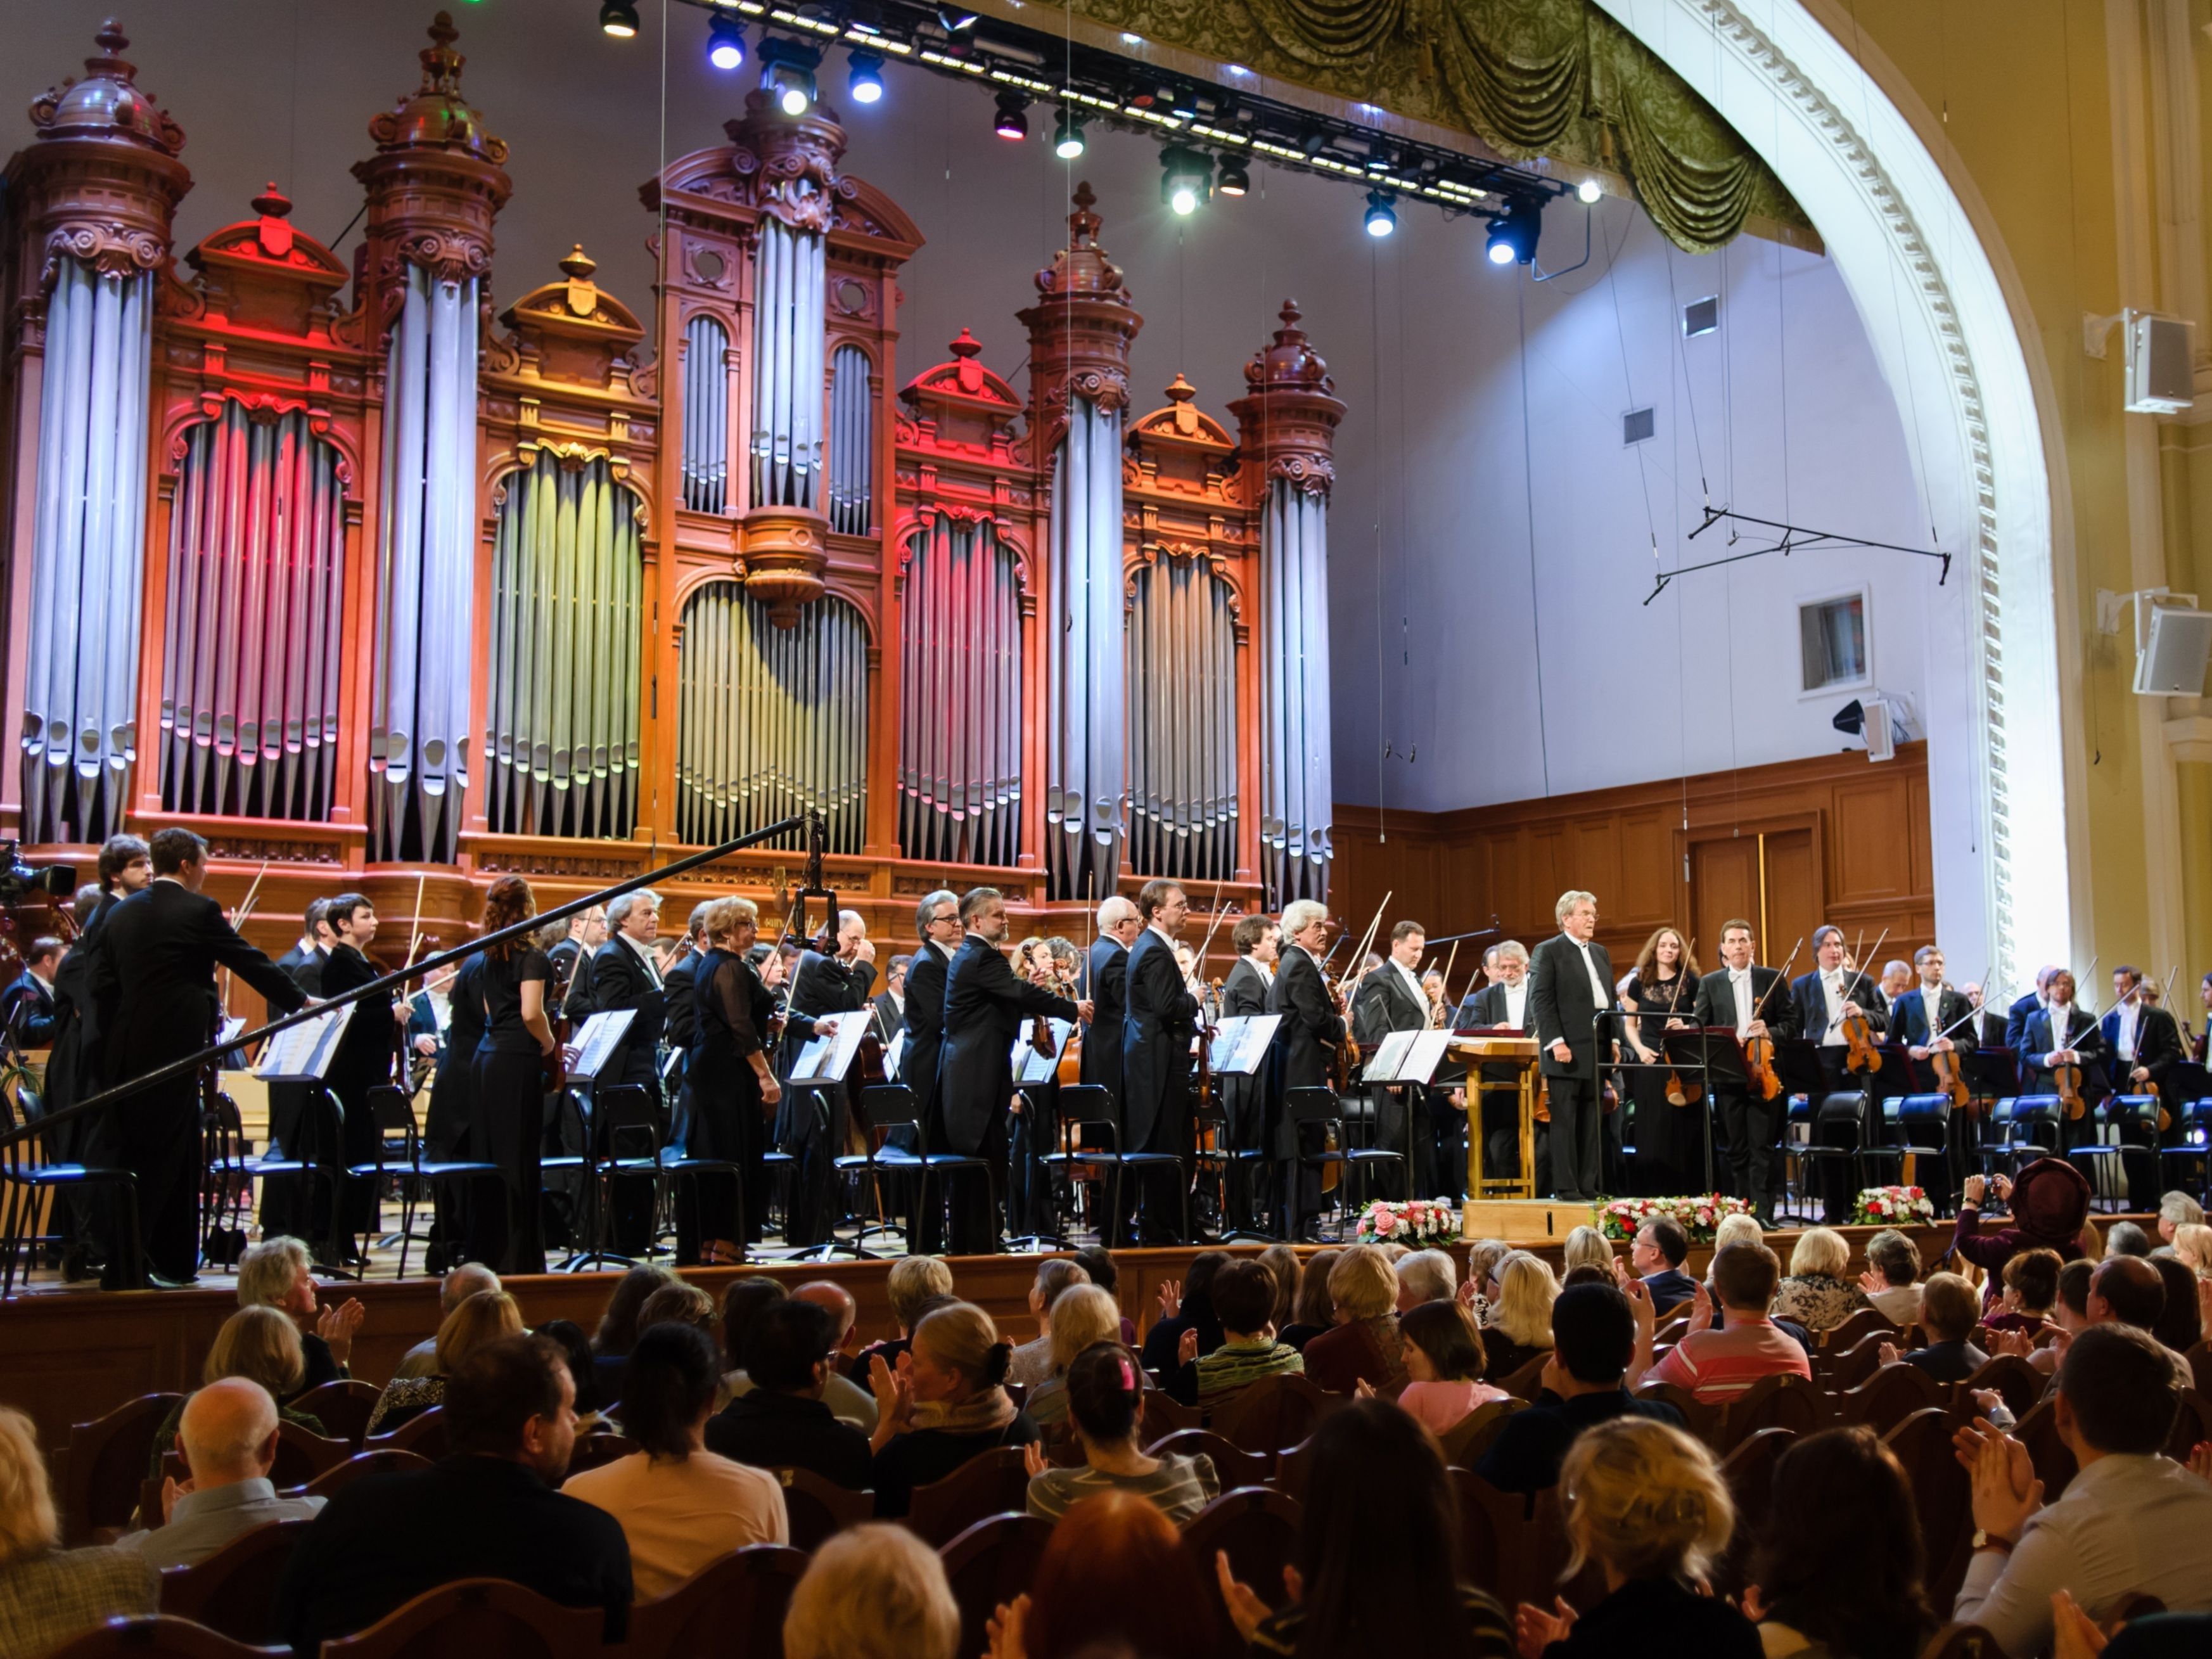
x=157, y=1138
x=1036, y=1132
x=510, y=1109
x=1577, y=1138
x=1752, y=1127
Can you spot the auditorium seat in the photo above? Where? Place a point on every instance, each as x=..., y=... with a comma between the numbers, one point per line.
x=301, y=1455
x=164, y=1638
x=2191, y=1424
x=1467, y=1440
x=424, y=1433
x=988, y=1564
x=478, y=1619
x=1961, y=1641
x=1494, y=1539
x=2054, y=1464
x=734, y=1605
x=1892, y=1394
x=392, y=1460
x=1846, y=1368
x=341, y=1407
x=1258, y=1529
x=105, y=1462
x=819, y=1509
x=1942, y=1493
x=2019, y=1384
x=1274, y=1413
x=1865, y=1323
x=233, y=1591
x=1703, y=1422
x=1526, y=1383
x=1234, y=1465
x=593, y=1451
x=991, y=1483
x=1784, y=1401
x=1749, y=1472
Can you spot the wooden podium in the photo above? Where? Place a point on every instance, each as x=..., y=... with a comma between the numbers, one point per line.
x=1520, y=1053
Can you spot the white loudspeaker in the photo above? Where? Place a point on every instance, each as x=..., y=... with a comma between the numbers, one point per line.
x=1880, y=745
x=2171, y=661
x=2160, y=380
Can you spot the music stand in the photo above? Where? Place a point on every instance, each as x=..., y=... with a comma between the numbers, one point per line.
x=1713, y=1052
x=595, y=1041
x=820, y=1070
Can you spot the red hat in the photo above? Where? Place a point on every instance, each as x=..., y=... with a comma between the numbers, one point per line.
x=2051, y=1200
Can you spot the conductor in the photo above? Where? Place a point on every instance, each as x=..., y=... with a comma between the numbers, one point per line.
x=1571, y=992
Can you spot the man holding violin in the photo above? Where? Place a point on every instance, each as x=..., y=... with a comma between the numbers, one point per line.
x=1158, y=1020
x=1923, y=1020
x=1745, y=997
x=2051, y=1046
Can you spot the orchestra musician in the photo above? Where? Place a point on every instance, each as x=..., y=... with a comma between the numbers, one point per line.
x=1745, y=998
x=1158, y=1020
x=985, y=1004
x=1504, y=1003
x=1989, y=1027
x=2016, y=1015
x=1828, y=996
x=2060, y=1033
x=1392, y=999
x=937, y=923
x=1485, y=978
x=27, y=1006
x=1245, y=1101
x=305, y=960
x=2144, y=1040
x=430, y=1018
x=891, y=1002
x=571, y=958
x=1570, y=991
x=1119, y=924
x=1919, y=1019
x=363, y=1061
x=450, y=1129
x=1311, y=1030
x=283, y=1203
x=509, y=1105
x=1670, y=1140
x=1036, y=1108
x=812, y=1124
x=625, y=975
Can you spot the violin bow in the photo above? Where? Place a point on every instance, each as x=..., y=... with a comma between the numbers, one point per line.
x=1758, y=1008
x=1368, y=938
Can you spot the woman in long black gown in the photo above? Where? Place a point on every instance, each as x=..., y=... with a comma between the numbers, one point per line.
x=1670, y=1140
x=509, y=1108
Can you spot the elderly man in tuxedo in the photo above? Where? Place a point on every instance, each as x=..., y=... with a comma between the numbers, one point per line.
x=1504, y=1001
x=1570, y=989
x=1107, y=978
x=1158, y=1023
x=1306, y=1041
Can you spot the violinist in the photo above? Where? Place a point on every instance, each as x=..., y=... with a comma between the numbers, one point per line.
x=1670, y=1145
x=1989, y=1027
x=1572, y=993
x=1505, y=1001
x=937, y=923
x=2056, y=1035
x=891, y=1002
x=1036, y=1108
x=1464, y=1016
x=1748, y=1000
x=1829, y=997
x=1245, y=1101
x=1930, y=1019
x=2142, y=1039
x=1156, y=1027
x=1391, y=998
x=1306, y=1042
x=1119, y=924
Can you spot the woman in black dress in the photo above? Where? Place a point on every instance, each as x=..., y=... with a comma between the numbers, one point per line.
x=1670, y=1140
x=509, y=1108
x=450, y=1130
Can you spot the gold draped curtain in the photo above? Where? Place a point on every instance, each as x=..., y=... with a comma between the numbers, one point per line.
x=1530, y=78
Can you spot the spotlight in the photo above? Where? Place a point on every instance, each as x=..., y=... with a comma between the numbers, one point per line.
x=1011, y=123
x=1181, y=102
x=1589, y=190
x=1067, y=138
x=725, y=43
x=1382, y=220
x=1313, y=141
x=1233, y=180
x=788, y=74
x=1378, y=160
x=866, y=82
x=1514, y=231
x=619, y=19
x=1185, y=178
x=953, y=19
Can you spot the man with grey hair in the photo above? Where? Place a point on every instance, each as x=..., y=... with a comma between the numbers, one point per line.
x=1426, y=1276
x=1106, y=979
x=1312, y=1029
x=228, y=1435
x=937, y=923
x=1502, y=1002
x=836, y=976
x=462, y=1283
x=1571, y=998
x=625, y=975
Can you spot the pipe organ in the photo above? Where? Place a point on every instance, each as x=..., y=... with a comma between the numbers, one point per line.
x=424, y=586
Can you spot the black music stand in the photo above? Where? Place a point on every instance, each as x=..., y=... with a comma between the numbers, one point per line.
x=1713, y=1052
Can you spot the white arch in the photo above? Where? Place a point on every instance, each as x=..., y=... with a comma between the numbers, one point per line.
x=1955, y=338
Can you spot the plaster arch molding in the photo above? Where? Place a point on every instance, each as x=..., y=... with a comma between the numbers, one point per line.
x=1956, y=344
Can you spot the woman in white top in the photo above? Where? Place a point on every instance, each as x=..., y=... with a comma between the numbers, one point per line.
x=681, y=1506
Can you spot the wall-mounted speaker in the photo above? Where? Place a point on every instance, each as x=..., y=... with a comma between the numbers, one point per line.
x=2159, y=378
x=2172, y=659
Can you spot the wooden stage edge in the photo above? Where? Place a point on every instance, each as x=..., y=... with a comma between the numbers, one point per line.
x=69, y=1357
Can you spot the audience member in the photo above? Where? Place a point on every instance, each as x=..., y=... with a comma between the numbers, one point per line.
x=1816, y=1295
x=260, y=1345
x=2049, y=1201
x=487, y=1316
x=487, y=1510
x=1891, y=1280
x=2175, y=1212
x=1520, y=1329
x=783, y=1420
x=1646, y=1503
x=944, y=1404
x=743, y=1302
x=458, y=1286
x=847, y=1400
x=1032, y=1361
x=1948, y=1312
x=1244, y=1300
x=680, y=1505
x=2030, y=1286
x=2070, y=1314
x=873, y=1592
x=1099, y=1264
x=1114, y=1578
x=617, y=1331
x=1738, y=1229
x=681, y=1304
x=2192, y=1247
x=1838, y=1564
x=1282, y=1261
x=1313, y=1312
x=278, y=1274
x=2125, y=1238
x=1718, y=1364
x=1585, y=1272
x=2126, y=1289
x=913, y=1282
x=47, y=1594
x=1377, y=1566
x=1656, y=1255
x=1105, y=1400
x=1083, y=1315
x=1426, y=1276
x=2179, y=1325
x=1365, y=1347
x=1587, y=1247
x=576, y=1349
x=1187, y=1306
x=1443, y=1366
x=1595, y=1330
x=1479, y=1289
x=229, y=1438
x=2131, y=1522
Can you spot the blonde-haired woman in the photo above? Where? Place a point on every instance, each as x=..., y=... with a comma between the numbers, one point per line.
x=48, y=1593
x=2192, y=1246
x=1647, y=1503
x=260, y=1344
x=945, y=1403
x=1364, y=1345
x=484, y=1317
x=1082, y=1315
x=1520, y=1328
x=873, y=1592
x=1816, y=1294
x=1586, y=1246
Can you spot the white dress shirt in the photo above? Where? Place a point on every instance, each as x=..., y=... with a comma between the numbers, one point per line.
x=2128, y=1019
x=1745, y=998
x=1832, y=988
x=1931, y=998
x=1413, y=984
x=2061, y=1016
x=1599, y=994
x=644, y=954
x=1517, y=1004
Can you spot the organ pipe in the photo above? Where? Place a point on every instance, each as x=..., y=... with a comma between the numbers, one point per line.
x=705, y=415
x=1296, y=787
x=787, y=384
x=960, y=757
x=1084, y=790
x=250, y=668
x=852, y=442
x=1183, y=723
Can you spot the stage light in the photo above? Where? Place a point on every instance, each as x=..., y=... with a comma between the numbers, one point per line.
x=725, y=43
x=619, y=19
x=787, y=73
x=1234, y=180
x=1181, y=102
x=1067, y=138
x=1185, y=178
x=1514, y=231
x=953, y=19
x=1378, y=161
x=865, y=81
x=1500, y=252
x=1589, y=190
x=1010, y=122
x=1382, y=220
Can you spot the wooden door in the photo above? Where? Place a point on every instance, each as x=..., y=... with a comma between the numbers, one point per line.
x=1723, y=883
x=1793, y=896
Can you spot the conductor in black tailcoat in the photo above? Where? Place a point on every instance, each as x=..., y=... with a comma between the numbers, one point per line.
x=1157, y=1026
x=1107, y=974
x=985, y=1004
x=1246, y=1101
x=1306, y=1041
x=158, y=973
x=1572, y=992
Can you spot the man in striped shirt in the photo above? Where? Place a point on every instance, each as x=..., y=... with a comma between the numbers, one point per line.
x=1716, y=1365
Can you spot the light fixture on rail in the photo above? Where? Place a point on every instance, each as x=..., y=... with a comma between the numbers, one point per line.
x=1010, y=122
x=1382, y=218
x=1067, y=138
x=787, y=73
x=1514, y=230
x=1588, y=191
x=1185, y=178
x=1233, y=179
x=725, y=43
x=954, y=19
x=865, y=82
x=619, y=19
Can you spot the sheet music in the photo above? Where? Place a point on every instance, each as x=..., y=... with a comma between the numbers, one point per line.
x=1389, y=1054
x=1422, y=1056
x=827, y=1059
x=232, y=1026
x=1031, y=1066
x=302, y=1053
x=1240, y=1042
x=596, y=1038
x=894, y=1054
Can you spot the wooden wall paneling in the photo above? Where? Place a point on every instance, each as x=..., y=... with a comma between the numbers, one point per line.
x=1795, y=895
x=1723, y=886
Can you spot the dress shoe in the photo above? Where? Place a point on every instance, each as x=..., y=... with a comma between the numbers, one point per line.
x=190, y=1282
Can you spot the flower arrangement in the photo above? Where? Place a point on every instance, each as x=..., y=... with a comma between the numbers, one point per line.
x=1698, y=1215
x=1882, y=1206
x=1421, y=1222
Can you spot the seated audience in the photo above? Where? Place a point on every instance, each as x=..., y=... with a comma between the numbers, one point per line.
x=1891, y=1280
x=1365, y=1347
x=1244, y=1301
x=1816, y=1295
x=1426, y=1276
x=1113, y=1580
x=1032, y=1361
x=1187, y=1306
x=1838, y=1568
x=2179, y=1325
x=2131, y=1522
x=277, y=1273
x=1594, y=1330
x=1282, y=1261
x=1646, y=1503
x=913, y=1282
x=2177, y=1210
x=229, y=1438
x=1099, y=1264
x=2192, y=1248
x=1083, y=1315
x=487, y=1510
x=2049, y=1201
x=47, y=1594
x=2126, y=1289
x=1716, y=1365
x=487, y=1316
x=1313, y=1313
x=2030, y=1286
x=1443, y=1366
x=1520, y=1328
x=1586, y=1246
x=2070, y=1314
x=685, y=1303
x=1585, y=1272
x=1948, y=1311
x=1656, y=1255
x=680, y=1505
x=944, y=1404
x=1738, y=1229
x=873, y=1592
x=617, y=1331
x=847, y=1400
x=2125, y=1238
x=260, y=1345
x=1479, y=1288
x=458, y=1286
x=1105, y=1401
x=1377, y=1563
x=576, y=1349
x=784, y=1419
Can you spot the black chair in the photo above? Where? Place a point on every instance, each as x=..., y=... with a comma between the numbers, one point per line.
x=313, y=1161
x=1913, y=1125
x=1092, y=1108
x=1792, y=1149
x=2132, y=1123
x=1359, y=1121
x=1227, y=1163
x=890, y=1106
x=868, y=1168
x=31, y=1180
x=2190, y=1140
x=2022, y=1129
x=399, y=1158
x=1315, y=1104
x=1840, y=1137
x=623, y=1142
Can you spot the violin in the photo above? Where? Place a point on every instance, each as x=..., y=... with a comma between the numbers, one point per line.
x=1864, y=1056
x=1951, y=1081
x=1758, y=1055
x=553, y=1064
x=2067, y=1080
x=1680, y=1093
